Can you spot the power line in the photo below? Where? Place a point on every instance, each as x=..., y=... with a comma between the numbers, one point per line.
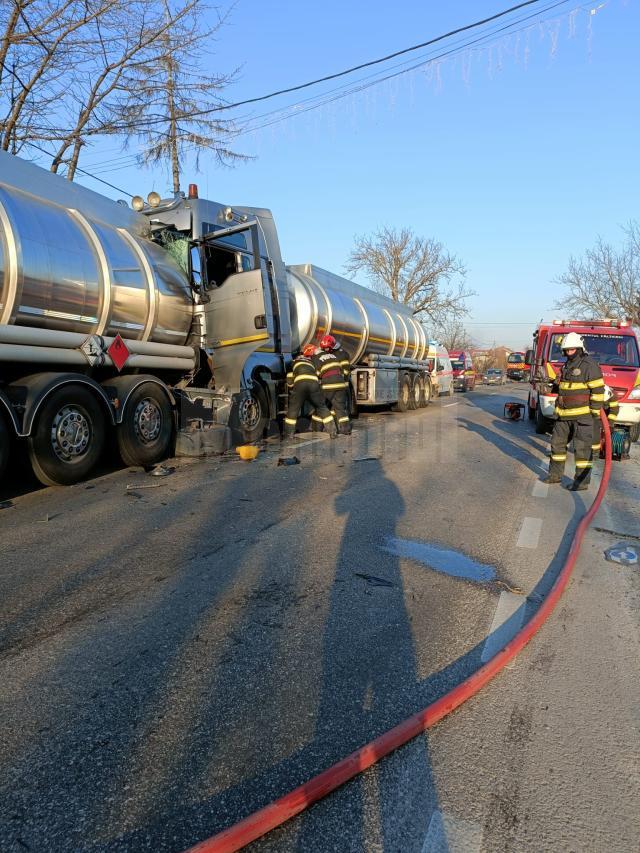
x=78, y=169
x=350, y=70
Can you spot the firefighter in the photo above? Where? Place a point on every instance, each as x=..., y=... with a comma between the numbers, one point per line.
x=580, y=398
x=304, y=386
x=333, y=382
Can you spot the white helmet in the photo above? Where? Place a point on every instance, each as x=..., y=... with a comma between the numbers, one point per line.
x=572, y=341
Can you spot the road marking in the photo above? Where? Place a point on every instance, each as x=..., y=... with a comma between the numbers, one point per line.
x=529, y=533
x=449, y=834
x=446, y=405
x=507, y=621
x=540, y=489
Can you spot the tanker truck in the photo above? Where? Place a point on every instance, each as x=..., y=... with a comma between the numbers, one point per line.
x=168, y=326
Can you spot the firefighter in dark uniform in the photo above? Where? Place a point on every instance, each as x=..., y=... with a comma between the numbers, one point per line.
x=580, y=398
x=333, y=381
x=304, y=386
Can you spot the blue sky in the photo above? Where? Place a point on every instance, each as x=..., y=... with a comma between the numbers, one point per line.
x=515, y=155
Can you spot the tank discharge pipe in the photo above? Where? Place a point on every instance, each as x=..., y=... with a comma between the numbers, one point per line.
x=278, y=812
x=28, y=336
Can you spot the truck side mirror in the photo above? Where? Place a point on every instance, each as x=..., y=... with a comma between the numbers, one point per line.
x=528, y=358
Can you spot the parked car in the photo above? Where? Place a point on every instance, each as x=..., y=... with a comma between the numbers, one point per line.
x=495, y=376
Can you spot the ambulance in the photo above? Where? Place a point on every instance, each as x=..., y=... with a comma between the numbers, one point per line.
x=612, y=343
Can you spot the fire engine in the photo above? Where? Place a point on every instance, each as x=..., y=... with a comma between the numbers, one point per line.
x=612, y=343
x=516, y=366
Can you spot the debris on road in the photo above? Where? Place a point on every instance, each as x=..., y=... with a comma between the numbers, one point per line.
x=288, y=460
x=134, y=487
x=366, y=458
x=161, y=471
x=622, y=553
x=373, y=580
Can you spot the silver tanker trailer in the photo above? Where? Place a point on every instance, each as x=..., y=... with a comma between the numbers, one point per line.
x=174, y=321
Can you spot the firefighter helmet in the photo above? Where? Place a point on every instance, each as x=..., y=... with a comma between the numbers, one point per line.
x=327, y=342
x=572, y=341
x=309, y=351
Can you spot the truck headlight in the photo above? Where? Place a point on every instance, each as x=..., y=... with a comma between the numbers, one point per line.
x=635, y=394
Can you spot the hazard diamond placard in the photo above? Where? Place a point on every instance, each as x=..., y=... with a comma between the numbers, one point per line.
x=118, y=352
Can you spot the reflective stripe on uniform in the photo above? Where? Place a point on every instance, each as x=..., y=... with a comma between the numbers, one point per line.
x=343, y=420
x=317, y=418
x=558, y=457
x=332, y=365
x=595, y=446
x=597, y=398
x=291, y=421
x=327, y=420
x=596, y=383
x=583, y=463
x=573, y=413
x=333, y=386
x=595, y=412
x=305, y=378
x=573, y=386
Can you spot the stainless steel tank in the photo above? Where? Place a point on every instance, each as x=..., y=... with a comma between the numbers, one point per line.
x=73, y=261
x=364, y=322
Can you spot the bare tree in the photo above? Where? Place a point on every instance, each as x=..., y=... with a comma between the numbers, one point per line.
x=453, y=336
x=418, y=271
x=605, y=282
x=169, y=85
x=81, y=69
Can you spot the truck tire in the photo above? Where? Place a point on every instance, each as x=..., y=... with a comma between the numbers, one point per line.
x=4, y=447
x=634, y=432
x=250, y=416
x=404, y=395
x=145, y=433
x=542, y=423
x=417, y=392
x=67, y=438
x=425, y=397
x=531, y=412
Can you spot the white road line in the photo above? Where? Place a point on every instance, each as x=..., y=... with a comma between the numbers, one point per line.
x=540, y=489
x=529, y=533
x=446, y=406
x=507, y=621
x=449, y=834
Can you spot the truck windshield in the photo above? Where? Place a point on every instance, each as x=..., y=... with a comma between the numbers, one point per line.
x=515, y=358
x=457, y=364
x=613, y=350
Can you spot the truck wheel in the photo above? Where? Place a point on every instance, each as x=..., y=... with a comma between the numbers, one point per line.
x=417, y=391
x=250, y=416
x=542, y=423
x=634, y=432
x=4, y=447
x=531, y=412
x=144, y=436
x=68, y=437
x=425, y=397
x=404, y=396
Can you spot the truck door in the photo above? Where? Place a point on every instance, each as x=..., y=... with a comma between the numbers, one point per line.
x=234, y=292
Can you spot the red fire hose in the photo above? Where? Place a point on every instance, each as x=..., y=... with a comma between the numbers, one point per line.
x=296, y=801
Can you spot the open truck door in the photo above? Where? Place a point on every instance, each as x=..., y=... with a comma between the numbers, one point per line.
x=233, y=290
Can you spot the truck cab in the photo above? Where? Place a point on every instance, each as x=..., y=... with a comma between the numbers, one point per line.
x=516, y=366
x=612, y=343
x=464, y=374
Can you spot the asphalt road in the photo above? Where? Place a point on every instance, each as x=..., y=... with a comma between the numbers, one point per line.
x=177, y=652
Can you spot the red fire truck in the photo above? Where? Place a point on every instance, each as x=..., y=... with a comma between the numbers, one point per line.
x=612, y=343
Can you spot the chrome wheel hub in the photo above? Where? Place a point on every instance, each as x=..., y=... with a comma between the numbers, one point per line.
x=70, y=433
x=147, y=421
